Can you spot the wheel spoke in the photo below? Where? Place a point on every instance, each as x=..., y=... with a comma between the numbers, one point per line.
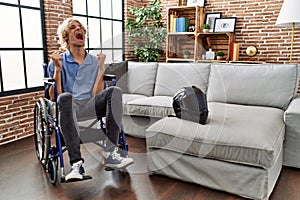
x=41, y=131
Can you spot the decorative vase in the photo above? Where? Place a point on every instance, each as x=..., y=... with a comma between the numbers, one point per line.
x=220, y=57
x=205, y=30
x=210, y=55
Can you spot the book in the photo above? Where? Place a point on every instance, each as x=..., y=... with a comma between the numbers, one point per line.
x=182, y=24
x=186, y=25
x=173, y=22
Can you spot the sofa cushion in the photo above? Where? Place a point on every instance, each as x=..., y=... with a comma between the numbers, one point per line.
x=243, y=134
x=129, y=97
x=173, y=76
x=292, y=134
x=155, y=106
x=141, y=77
x=264, y=85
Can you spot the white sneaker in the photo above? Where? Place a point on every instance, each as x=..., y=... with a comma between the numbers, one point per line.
x=114, y=160
x=77, y=171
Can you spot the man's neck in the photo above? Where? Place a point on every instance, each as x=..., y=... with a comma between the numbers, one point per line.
x=78, y=54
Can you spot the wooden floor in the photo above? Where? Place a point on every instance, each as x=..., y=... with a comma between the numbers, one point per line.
x=22, y=177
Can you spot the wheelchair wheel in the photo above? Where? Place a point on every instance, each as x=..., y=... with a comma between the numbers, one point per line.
x=41, y=132
x=52, y=170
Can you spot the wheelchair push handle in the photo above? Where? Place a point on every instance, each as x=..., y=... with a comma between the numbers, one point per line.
x=46, y=78
x=49, y=80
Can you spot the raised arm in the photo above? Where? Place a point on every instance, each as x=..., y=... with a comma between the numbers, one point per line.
x=99, y=83
x=57, y=61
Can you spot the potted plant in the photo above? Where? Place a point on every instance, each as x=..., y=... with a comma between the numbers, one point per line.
x=146, y=31
x=220, y=55
x=205, y=28
x=186, y=54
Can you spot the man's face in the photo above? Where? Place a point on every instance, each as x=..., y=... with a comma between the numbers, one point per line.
x=76, y=36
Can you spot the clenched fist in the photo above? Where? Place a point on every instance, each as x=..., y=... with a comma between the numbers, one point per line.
x=101, y=60
x=57, y=60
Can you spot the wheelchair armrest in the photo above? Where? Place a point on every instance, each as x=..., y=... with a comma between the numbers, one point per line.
x=109, y=77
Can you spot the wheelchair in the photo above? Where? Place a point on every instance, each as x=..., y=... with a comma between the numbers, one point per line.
x=48, y=139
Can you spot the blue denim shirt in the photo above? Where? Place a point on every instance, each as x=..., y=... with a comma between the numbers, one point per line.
x=77, y=79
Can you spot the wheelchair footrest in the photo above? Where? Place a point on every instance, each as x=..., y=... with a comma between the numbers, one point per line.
x=84, y=177
x=110, y=169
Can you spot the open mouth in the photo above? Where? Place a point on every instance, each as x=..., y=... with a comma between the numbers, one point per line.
x=79, y=36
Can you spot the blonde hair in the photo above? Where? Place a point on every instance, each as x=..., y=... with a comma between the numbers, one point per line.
x=63, y=31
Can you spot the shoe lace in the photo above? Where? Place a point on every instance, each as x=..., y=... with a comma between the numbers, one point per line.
x=76, y=167
x=116, y=155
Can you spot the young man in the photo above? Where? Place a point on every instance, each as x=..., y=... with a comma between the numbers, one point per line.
x=81, y=93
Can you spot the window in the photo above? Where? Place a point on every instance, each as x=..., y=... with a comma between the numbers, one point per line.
x=22, y=46
x=105, y=24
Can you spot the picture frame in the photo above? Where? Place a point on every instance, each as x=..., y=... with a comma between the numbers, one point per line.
x=210, y=19
x=200, y=3
x=225, y=24
x=181, y=3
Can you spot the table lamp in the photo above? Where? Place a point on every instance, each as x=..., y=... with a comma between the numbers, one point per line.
x=289, y=16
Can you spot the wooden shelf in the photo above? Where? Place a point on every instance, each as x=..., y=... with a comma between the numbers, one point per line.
x=217, y=42
x=178, y=42
x=247, y=62
x=218, y=33
x=182, y=33
x=180, y=60
x=197, y=42
x=212, y=61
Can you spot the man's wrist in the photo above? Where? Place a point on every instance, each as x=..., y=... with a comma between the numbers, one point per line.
x=57, y=70
x=101, y=66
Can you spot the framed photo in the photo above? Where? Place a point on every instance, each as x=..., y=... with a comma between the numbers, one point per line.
x=210, y=19
x=225, y=24
x=200, y=3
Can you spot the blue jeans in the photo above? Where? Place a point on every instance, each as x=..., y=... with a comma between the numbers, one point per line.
x=107, y=103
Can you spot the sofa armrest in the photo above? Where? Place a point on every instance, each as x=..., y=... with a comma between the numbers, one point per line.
x=292, y=134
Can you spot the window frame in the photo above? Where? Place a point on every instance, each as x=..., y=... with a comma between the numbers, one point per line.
x=23, y=49
x=100, y=49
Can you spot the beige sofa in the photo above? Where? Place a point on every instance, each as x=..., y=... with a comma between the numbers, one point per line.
x=252, y=129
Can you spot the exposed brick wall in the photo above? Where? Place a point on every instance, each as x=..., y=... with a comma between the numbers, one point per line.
x=16, y=116
x=128, y=47
x=55, y=13
x=256, y=26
